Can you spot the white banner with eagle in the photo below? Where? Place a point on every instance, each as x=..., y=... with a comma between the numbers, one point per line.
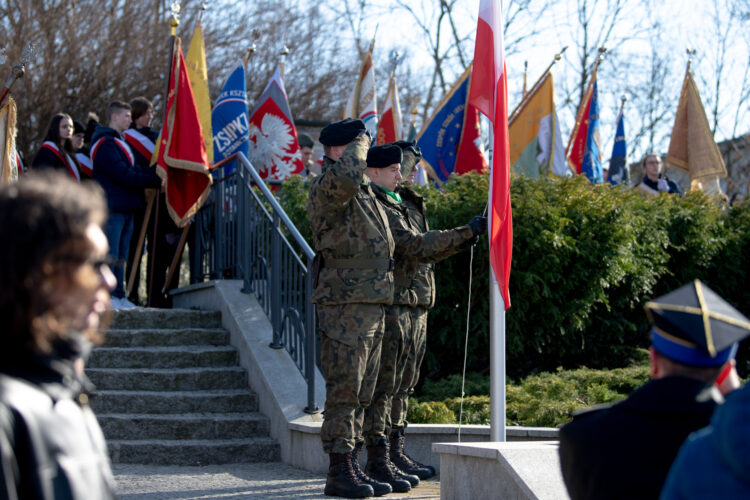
x=274, y=150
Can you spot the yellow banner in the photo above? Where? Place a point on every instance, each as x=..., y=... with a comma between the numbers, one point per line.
x=692, y=146
x=198, y=75
x=534, y=133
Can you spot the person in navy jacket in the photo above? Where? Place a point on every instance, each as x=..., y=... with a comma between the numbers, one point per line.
x=123, y=182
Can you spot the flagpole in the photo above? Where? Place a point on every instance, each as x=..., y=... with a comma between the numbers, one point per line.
x=589, y=89
x=174, y=21
x=497, y=336
x=527, y=95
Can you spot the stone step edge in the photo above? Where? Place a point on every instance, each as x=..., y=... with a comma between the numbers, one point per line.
x=193, y=442
x=166, y=371
x=187, y=348
x=216, y=329
x=195, y=393
x=223, y=416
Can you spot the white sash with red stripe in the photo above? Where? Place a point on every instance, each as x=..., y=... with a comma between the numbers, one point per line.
x=122, y=144
x=87, y=166
x=140, y=143
x=64, y=158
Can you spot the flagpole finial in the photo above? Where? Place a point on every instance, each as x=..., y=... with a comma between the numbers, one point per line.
x=525, y=72
x=602, y=51
x=174, y=18
x=18, y=70
x=690, y=53
x=202, y=8
x=559, y=55
x=395, y=57
x=283, y=53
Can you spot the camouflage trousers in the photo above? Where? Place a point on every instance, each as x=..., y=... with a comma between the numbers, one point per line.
x=351, y=337
x=392, y=363
x=414, y=349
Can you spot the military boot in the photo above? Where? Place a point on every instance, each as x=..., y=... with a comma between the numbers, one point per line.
x=380, y=468
x=404, y=461
x=341, y=481
x=379, y=488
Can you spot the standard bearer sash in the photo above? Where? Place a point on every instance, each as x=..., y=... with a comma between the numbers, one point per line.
x=140, y=143
x=64, y=158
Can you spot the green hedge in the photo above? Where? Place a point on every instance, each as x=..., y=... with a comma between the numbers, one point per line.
x=542, y=400
x=585, y=259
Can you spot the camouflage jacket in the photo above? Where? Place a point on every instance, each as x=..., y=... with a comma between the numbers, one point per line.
x=350, y=233
x=417, y=248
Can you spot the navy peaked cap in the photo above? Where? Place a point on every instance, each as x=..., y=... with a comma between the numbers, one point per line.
x=693, y=325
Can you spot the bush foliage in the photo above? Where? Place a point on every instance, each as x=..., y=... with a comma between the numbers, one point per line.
x=585, y=259
x=541, y=400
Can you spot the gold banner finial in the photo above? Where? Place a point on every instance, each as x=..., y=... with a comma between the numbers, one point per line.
x=174, y=18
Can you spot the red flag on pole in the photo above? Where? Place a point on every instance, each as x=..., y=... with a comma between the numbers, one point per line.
x=182, y=159
x=489, y=93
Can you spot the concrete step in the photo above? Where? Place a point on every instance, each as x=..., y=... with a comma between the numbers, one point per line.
x=164, y=318
x=162, y=357
x=143, y=337
x=191, y=426
x=194, y=452
x=227, y=401
x=168, y=379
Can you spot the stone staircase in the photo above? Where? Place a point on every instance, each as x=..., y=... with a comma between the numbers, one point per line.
x=169, y=391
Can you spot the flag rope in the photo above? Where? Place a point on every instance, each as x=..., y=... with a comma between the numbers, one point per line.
x=466, y=340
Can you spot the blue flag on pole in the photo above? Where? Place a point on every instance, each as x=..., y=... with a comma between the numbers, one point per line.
x=592, y=156
x=451, y=139
x=230, y=118
x=618, y=165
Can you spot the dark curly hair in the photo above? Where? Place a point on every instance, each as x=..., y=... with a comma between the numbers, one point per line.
x=43, y=223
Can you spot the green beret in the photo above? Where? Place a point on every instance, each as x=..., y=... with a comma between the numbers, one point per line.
x=341, y=133
x=384, y=156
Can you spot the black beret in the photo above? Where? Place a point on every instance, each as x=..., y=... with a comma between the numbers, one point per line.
x=305, y=141
x=409, y=146
x=341, y=132
x=384, y=156
x=78, y=127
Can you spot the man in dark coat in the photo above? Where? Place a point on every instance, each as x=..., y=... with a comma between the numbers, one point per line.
x=625, y=450
x=124, y=183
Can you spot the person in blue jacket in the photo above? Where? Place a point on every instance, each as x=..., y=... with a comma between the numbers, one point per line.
x=715, y=461
x=124, y=182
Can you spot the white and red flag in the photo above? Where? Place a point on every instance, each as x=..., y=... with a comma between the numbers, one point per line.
x=489, y=93
x=389, y=127
x=274, y=150
x=362, y=102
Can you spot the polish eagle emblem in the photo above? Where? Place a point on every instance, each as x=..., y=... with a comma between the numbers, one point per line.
x=272, y=148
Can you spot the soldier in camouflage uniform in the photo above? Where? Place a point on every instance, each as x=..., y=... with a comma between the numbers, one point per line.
x=354, y=247
x=415, y=294
x=414, y=244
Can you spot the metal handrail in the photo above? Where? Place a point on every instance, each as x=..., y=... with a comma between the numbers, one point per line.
x=240, y=234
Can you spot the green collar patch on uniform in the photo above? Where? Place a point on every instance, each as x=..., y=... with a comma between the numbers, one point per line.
x=393, y=195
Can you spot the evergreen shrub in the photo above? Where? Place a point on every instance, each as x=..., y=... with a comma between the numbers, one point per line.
x=585, y=260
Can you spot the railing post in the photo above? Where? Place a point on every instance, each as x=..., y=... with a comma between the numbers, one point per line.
x=275, y=262
x=310, y=340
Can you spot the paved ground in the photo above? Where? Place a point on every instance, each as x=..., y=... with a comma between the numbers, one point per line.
x=234, y=481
